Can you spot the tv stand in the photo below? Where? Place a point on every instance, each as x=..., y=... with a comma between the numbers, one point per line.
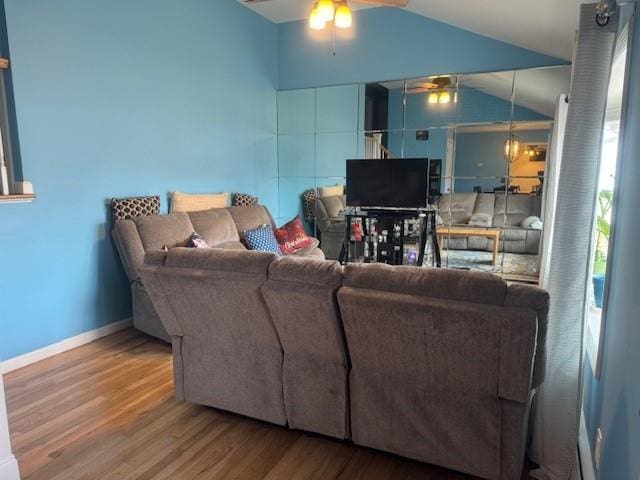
x=389, y=248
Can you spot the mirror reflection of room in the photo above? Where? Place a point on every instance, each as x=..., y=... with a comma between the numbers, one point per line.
x=490, y=134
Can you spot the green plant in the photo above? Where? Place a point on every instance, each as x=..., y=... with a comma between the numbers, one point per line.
x=603, y=229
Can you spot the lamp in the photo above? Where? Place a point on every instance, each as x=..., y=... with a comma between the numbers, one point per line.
x=316, y=22
x=444, y=97
x=343, y=17
x=511, y=148
x=326, y=9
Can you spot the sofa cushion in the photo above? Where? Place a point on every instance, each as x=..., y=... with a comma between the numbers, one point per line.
x=186, y=202
x=481, y=220
x=161, y=231
x=220, y=260
x=485, y=203
x=216, y=226
x=512, y=209
x=332, y=206
x=262, y=239
x=306, y=270
x=476, y=287
x=292, y=237
x=231, y=246
x=457, y=208
x=247, y=218
x=331, y=191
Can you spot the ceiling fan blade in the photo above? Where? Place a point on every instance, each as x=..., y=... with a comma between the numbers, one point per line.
x=384, y=3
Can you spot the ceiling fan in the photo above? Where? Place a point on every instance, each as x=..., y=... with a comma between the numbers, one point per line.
x=338, y=11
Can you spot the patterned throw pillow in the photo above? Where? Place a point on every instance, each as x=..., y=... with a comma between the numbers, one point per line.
x=128, y=208
x=308, y=203
x=243, y=200
x=263, y=239
x=292, y=237
x=196, y=241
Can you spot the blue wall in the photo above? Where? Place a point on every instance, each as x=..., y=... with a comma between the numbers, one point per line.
x=390, y=44
x=118, y=98
x=488, y=149
x=613, y=402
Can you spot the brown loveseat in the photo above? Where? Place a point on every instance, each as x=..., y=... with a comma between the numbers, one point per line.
x=435, y=365
x=221, y=228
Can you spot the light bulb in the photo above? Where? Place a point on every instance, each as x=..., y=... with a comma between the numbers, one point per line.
x=343, y=17
x=444, y=97
x=433, y=98
x=455, y=97
x=326, y=10
x=316, y=22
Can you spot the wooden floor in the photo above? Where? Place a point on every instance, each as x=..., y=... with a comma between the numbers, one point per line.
x=106, y=411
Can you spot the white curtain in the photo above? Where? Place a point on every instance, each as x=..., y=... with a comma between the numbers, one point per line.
x=555, y=411
x=552, y=175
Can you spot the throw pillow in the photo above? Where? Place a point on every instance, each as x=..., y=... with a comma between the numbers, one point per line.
x=480, y=220
x=184, y=202
x=532, y=222
x=128, y=208
x=196, y=241
x=292, y=237
x=331, y=191
x=263, y=239
x=243, y=200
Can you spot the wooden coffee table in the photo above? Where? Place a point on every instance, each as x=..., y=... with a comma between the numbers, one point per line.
x=493, y=233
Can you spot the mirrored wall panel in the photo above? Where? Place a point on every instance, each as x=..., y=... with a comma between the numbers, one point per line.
x=488, y=137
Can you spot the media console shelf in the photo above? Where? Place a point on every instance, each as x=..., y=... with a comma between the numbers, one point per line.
x=389, y=247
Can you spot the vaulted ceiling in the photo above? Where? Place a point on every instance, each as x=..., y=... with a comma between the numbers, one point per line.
x=545, y=26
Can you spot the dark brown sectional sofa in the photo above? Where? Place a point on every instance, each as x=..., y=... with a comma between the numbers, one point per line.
x=435, y=365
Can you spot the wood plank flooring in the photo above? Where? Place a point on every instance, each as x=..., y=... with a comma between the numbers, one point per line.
x=106, y=411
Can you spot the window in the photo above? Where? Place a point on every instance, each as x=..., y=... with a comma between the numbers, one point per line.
x=602, y=243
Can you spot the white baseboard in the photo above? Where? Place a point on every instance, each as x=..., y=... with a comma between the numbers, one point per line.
x=9, y=468
x=586, y=457
x=73, y=342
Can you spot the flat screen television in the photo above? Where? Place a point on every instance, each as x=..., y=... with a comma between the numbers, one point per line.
x=391, y=183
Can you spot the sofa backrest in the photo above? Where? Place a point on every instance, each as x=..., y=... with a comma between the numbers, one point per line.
x=215, y=226
x=247, y=218
x=301, y=296
x=517, y=207
x=436, y=351
x=232, y=355
x=456, y=208
x=327, y=209
x=219, y=227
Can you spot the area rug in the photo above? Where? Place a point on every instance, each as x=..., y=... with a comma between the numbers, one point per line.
x=507, y=263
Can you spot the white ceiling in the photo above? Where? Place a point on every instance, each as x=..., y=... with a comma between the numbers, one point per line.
x=537, y=89
x=545, y=26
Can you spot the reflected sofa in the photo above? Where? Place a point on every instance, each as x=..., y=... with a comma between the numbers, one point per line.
x=330, y=224
x=432, y=364
x=221, y=228
x=505, y=211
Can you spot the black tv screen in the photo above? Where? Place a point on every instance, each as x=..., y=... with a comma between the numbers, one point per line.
x=388, y=183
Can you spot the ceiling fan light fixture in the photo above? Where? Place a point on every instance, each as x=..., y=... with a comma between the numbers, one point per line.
x=343, y=17
x=326, y=10
x=316, y=22
x=445, y=97
x=433, y=98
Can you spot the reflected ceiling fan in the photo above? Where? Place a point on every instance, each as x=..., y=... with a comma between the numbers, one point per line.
x=338, y=11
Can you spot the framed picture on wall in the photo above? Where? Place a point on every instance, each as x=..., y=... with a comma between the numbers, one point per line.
x=537, y=152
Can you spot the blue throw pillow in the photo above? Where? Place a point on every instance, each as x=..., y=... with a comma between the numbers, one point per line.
x=263, y=239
